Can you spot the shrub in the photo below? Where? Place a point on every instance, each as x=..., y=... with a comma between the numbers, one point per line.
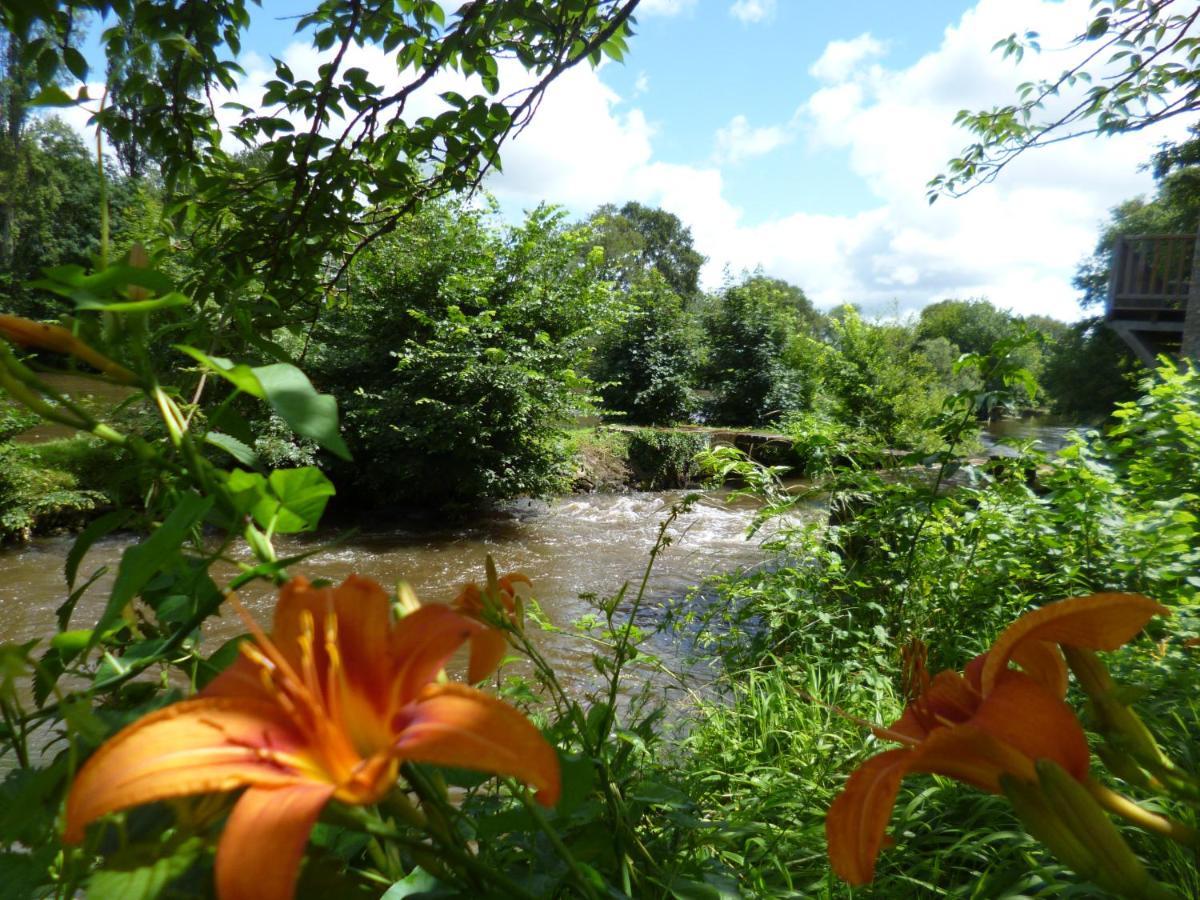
x=456, y=361
x=665, y=459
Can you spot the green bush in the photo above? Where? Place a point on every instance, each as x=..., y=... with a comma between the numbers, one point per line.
x=665, y=459
x=878, y=383
x=58, y=484
x=646, y=365
x=751, y=335
x=457, y=360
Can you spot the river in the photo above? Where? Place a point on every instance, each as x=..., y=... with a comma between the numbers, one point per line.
x=570, y=547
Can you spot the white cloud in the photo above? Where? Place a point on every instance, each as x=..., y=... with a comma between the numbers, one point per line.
x=752, y=10
x=664, y=7
x=1016, y=242
x=737, y=140
x=841, y=58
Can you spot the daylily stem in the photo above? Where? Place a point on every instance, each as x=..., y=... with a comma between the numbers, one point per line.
x=1122, y=806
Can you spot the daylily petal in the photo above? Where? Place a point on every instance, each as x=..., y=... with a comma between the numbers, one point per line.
x=192, y=747
x=242, y=678
x=296, y=598
x=455, y=725
x=970, y=754
x=948, y=700
x=487, y=651
x=421, y=644
x=364, y=617
x=1022, y=714
x=280, y=819
x=1044, y=663
x=858, y=817
x=1096, y=622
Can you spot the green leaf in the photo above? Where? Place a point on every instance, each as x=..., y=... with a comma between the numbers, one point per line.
x=302, y=495
x=131, y=658
x=142, y=561
x=52, y=95
x=240, y=451
x=75, y=63
x=167, y=301
x=143, y=871
x=418, y=881
x=310, y=415
x=288, y=392
x=240, y=376
x=106, y=524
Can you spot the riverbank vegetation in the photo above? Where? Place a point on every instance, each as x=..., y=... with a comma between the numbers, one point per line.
x=329, y=324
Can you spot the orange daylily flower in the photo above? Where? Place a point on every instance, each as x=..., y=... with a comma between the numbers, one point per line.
x=325, y=708
x=487, y=646
x=989, y=722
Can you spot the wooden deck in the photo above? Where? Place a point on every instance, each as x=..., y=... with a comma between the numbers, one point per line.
x=1150, y=278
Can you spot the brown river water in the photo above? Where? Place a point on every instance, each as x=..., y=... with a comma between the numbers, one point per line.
x=572, y=546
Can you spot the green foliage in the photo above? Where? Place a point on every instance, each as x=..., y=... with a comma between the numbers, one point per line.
x=646, y=364
x=750, y=329
x=1133, y=64
x=638, y=240
x=877, y=382
x=665, y=459
x=1088, y=370
x=58, y=484
x=457, y=358
x=49, y=200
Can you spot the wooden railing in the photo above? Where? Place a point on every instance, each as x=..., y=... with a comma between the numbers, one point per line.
x=1150, y=274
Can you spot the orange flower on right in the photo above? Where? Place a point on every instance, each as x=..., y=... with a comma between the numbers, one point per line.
x=993, y=720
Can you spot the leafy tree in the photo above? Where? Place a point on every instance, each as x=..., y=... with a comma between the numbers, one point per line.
x=646, y=365
x=877, y=382
x=1088, y=370
x=1154, y=49
x=973, y=325
x=20, y=73
x=456, y=358
x=749, y=331
x=346, y=159
x=637, y=239
x=52, y=198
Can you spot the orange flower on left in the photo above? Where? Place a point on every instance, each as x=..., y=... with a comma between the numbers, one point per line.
x=325, y=708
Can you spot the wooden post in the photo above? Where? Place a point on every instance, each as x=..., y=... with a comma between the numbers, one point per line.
x=1191, y=320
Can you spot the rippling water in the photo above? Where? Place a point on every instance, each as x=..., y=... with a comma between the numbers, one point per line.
x=1047, y=433
x=588, y=544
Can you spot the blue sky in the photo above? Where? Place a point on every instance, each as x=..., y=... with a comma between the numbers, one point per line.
x=703, y=63
x=797, y=136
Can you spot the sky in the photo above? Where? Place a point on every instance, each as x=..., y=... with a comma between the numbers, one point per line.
x=797, y=136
